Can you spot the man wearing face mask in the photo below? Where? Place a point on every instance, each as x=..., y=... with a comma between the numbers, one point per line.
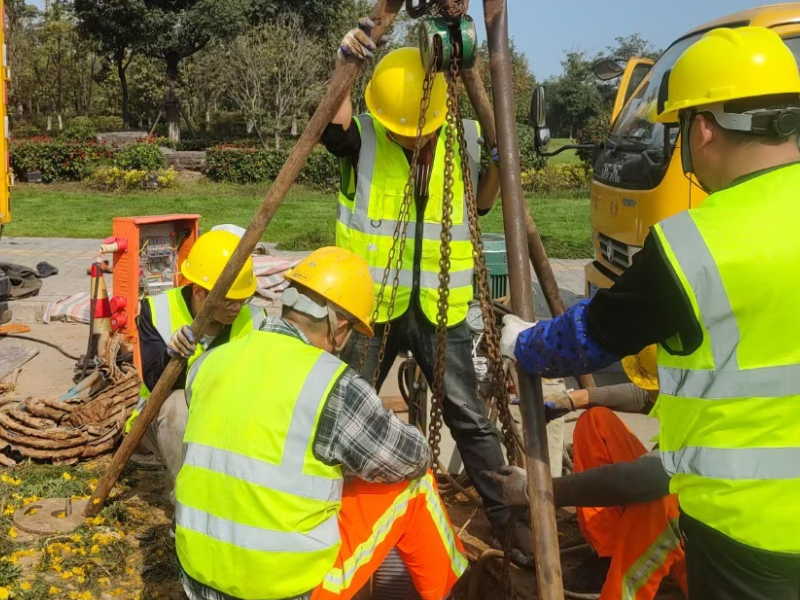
x=715, y=288
x=164, y=331
x=375, y=149
x=276, y=422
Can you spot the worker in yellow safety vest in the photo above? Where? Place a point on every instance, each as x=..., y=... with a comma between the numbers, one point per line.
x=276, y=421
x=375, y=150
x=715, y=287
x=164, y=331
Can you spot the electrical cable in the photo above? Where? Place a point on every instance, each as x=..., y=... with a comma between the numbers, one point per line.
x=38, y=341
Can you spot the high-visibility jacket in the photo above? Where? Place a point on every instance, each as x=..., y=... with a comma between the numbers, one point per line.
x=730, y=424
x=169, y=312
x=256, y=512
x=369, y=208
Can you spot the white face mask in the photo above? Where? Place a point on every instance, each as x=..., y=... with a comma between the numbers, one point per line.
x=301, y=303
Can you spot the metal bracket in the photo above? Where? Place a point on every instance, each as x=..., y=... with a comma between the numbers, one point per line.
x=443, y=40
x=420, y=8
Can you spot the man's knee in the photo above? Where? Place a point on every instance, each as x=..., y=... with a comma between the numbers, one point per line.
x=174, y=412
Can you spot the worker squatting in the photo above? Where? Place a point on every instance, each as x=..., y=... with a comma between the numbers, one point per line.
x=290, y=479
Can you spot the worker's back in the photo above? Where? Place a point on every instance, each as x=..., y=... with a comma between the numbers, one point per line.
x=728, y=410
x=256, y=510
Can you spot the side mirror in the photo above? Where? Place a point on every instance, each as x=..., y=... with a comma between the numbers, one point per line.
x=542, y=137
x=606, y=69
x=538, y=113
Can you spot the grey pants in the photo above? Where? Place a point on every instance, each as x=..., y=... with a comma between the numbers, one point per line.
x=164, y=436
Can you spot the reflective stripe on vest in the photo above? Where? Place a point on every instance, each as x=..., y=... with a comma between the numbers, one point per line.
x=251, y=495
x=640, y=572
x=367, y=222
x=730, y=430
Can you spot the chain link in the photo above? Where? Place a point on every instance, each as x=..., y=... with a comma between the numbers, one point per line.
x=443, y=297
x=499, y=385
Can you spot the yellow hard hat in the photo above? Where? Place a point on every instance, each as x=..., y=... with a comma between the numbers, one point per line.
x=394, y=94
x=342, y=278
x=641, y=368
x=208, y=258
x=728, y=64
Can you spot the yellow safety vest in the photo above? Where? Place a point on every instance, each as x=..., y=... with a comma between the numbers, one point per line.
x=256, y=513
x=169, y=312
x=369, y=208
x=730, y=410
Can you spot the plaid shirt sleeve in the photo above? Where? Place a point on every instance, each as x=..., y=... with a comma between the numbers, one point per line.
x=356, y=431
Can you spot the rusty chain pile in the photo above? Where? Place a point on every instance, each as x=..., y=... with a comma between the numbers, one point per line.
x=66, y=431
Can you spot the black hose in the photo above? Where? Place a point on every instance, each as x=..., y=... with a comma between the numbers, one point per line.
x=38, y=341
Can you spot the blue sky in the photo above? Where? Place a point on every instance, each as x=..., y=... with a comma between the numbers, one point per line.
x=545, y=29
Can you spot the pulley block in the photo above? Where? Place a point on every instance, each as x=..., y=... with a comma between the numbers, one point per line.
x=443, y=41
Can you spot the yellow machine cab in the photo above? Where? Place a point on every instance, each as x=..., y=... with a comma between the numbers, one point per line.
x=638, y=180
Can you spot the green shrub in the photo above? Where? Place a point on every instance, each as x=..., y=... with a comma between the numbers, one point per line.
x=25, y=130
x=79, y=129
x=57, y=160
x=527, y=154
x=105, y=123
x=556, y=177
x=248, y=165
x=594, y=132
x=115, y=179
x=139, y=157
x=228, y=125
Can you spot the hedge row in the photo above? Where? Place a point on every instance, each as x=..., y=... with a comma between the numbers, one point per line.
x=76, y=128
x=65, y=160
x=248, y=165
x=553, y=178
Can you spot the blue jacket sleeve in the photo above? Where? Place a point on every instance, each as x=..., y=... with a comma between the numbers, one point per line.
x=562, y=346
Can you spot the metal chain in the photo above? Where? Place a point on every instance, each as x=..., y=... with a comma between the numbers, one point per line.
x=443, y=300
x=396, y=252
x=499, y=383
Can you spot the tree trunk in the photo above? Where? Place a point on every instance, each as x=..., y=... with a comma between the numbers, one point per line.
x=119, y=58
x=171, y=103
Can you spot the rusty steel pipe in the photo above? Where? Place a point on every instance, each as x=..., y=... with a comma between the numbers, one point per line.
x=383, y=15
x=540, y=484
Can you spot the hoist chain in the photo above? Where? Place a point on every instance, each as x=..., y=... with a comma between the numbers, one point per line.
x=498, y=387
x=395, y=260
x=443, y=297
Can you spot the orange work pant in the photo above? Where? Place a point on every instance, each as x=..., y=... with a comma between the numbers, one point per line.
x=642, y=539
x=409, y=516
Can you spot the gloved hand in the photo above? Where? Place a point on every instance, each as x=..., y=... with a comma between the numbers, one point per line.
x=357, y=42
x=513, y=484
x=182, y=343
x=557, y=401
x=512, y=327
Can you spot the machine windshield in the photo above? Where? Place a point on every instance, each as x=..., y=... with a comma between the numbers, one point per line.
x=634, y=127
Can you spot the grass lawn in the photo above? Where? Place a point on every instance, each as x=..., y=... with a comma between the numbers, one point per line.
x=567, y=157
x=304, y=221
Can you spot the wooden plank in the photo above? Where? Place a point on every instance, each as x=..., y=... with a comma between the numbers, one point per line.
x=13, y=357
